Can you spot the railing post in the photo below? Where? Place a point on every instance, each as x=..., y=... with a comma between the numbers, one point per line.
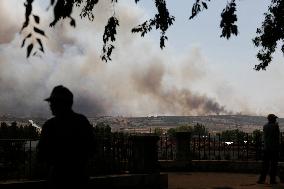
x=30, y=159
x=194, y=147
x=144, y=154
x=167, y=147
x=209, y=141
x=183, y=146
x=247, y=146
x=204, y=147
x=199, y=155
x=214, y=146
x=219, y=148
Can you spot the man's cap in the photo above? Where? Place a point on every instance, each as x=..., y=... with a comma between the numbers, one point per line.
x=271, y=116
x=60, y=93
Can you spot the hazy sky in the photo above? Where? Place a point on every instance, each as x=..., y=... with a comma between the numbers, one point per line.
x=198, y=73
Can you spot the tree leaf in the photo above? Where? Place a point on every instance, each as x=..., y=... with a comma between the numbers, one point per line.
x=197, y=8
x=23, y=43
x=40, y=44
x=204, y=5
x=28, y=36
x=39, y=31
x=29, y=8
x=73, y=23
x=29, y=49
x=88, y=8
x=36, y=18
x=228, y=19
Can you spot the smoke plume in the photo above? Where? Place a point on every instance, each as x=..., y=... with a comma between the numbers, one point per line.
x=141, y=80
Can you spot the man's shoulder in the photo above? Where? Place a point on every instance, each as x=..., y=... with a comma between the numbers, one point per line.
x=48, y=125
x=270, y=126
x=50, y=121
x=80, y=117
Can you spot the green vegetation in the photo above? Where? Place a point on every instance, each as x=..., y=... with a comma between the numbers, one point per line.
x=13, y=153
x=197, y=129
x=15, y=131
x=233, y=135
x=257, y=136
x=158, y=131
x=102, y=128
x=200, y=129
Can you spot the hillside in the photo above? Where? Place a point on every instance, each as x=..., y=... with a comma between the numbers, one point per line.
x=214, y=123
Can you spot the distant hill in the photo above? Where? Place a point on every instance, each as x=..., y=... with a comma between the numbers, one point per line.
x=212, y=122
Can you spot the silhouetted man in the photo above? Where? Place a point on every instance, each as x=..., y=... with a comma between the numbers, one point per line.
x=66, y=142
x=271, y=149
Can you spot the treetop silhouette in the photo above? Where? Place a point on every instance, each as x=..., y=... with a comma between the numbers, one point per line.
x=267, y=35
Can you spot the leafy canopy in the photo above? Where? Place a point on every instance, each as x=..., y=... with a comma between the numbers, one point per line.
x=268, y=35
x=197, y=129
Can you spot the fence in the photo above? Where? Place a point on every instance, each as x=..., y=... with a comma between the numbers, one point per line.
x=16, y=157
x=121, y=152
x=208, y=147
x=114, y=153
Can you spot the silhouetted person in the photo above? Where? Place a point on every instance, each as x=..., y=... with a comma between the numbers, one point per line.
x=271, y=149
x=66, y=142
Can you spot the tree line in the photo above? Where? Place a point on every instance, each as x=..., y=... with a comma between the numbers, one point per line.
x=16, y=131
x=201, y=130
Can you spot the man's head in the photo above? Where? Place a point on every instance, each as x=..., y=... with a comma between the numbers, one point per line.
x=272, y=118
x=60, y=100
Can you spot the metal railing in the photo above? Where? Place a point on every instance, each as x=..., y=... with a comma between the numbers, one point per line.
x=17, y=157
x=114, y=153
x=208, y=147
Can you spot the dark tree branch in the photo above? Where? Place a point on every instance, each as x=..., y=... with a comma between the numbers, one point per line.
x=109, y=37
x=268, y=35
x=29, y=9
x=197, y=7
x=228, y=20
x=162, y=21
x=35, y=31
